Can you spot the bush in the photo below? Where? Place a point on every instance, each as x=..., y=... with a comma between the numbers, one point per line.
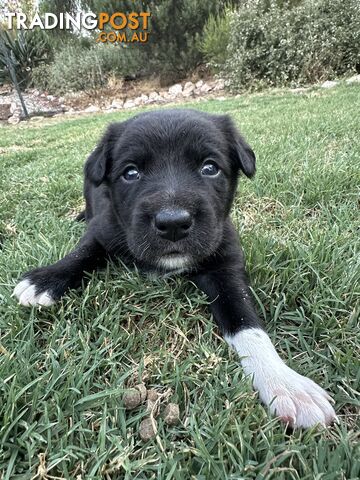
x=75, y=68
x=23, y=50
x=216, y=37
x=275, y=46
x=176, y=27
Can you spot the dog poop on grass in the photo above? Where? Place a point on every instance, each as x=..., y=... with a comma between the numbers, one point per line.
x=172, y=414
x=146, y=429
x=134, y=396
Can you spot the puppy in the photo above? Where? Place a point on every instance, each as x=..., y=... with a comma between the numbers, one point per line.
x=158, y=191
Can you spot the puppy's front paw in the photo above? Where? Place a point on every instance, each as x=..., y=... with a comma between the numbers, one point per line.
x=26, y=293
x=42, y=286
x=295, y=399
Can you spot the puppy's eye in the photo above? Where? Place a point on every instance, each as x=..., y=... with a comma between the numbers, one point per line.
x=131, y=174
x=210, y=169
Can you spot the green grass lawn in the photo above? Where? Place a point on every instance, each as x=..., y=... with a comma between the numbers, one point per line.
x=63, y=370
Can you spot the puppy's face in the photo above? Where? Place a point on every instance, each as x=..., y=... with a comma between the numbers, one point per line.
x=172, y=175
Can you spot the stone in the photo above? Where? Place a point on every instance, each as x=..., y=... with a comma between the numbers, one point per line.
x=129, y=104
x=153, y=97
x=175, y=90
x=219, y=85
x=13, y=107
x=14, y=119
x=5, y=111
x=354, y=79
x=205, y=88
x=188, y=89
x=199, y=84
x=92, y=109
x=138, y=101
x=117, y=103
x=329, y=84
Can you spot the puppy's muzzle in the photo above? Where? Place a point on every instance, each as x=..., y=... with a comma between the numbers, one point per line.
x=173, y=224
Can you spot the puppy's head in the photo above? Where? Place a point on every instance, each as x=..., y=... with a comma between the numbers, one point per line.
x=172, y=176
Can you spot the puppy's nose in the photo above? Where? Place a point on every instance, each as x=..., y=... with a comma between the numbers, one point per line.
x=173, y=224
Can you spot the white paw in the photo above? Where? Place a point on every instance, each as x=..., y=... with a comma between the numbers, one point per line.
x=295, y=399
x=25, y=293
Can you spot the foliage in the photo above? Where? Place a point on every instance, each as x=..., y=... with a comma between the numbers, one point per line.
x=283, y=46
x=24, y=49
x=215, y=39
x=78, y=68
x=176, y=28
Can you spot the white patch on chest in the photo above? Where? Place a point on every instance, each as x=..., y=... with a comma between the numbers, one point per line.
x=297, y=400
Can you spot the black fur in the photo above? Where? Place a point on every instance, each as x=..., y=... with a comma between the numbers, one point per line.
x=168, y=148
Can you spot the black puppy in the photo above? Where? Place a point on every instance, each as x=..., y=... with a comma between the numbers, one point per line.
x=158, y=192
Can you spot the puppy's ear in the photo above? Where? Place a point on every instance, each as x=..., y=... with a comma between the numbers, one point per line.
x=99, y=162
x=239, y=151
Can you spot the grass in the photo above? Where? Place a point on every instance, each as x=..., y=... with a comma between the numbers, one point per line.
x=63, y=370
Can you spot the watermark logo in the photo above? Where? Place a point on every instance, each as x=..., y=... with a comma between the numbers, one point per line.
x=110, y=27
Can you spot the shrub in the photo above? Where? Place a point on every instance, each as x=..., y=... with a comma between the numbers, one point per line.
x=24, y=50
x=75, y=68
x=292, y=46
x=216, y=37
x=173, y=49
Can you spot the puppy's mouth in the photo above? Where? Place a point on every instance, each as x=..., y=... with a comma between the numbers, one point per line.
x=175, y=260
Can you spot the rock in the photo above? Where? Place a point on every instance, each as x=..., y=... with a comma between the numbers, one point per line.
x=14, y=119
x=153, y=97
x=205, y=88
x=199, y=84
x=5, y=111
x=14, y=108
x=132, y=399
x=117, y=103
x=329, y=84
x=129, y=104
x=147, y=431
x=175, y=90
x=144, y=98
x=354, y=79
x=188, y=89
x=172, y=414
x=61, y=99
x=51, y=97
x=36, y=93
x=92, y=109
x=138, y=101
x=219, y=85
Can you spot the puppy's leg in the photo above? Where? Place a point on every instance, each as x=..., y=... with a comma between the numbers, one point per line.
x=45, y=285
x=297, y=400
